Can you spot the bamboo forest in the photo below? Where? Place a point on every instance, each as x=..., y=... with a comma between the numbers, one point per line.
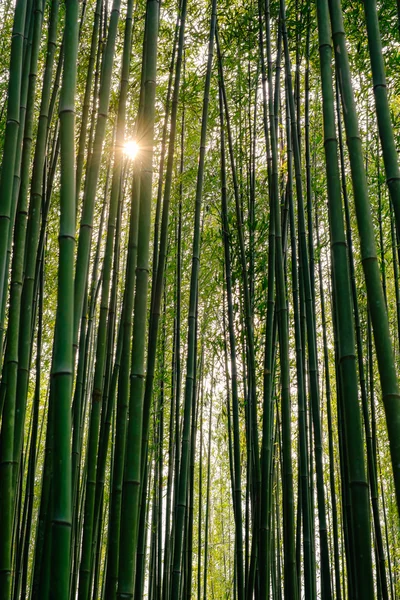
x=200, y=299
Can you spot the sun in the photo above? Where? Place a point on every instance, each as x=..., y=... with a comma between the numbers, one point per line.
x=131, y=149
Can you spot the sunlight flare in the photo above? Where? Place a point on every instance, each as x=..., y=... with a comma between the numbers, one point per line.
x=131, y=149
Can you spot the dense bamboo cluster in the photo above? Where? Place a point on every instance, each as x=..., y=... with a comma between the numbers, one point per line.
x=199, y=300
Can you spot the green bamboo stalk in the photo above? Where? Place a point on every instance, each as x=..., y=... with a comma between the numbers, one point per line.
x=11, y=361
x=382, y=106
x=132, y=473
x=308, y=159
x=290, y=578
x=175, y=377
x=24, y=512
x=10, y=140
x=122, y=398
x=187, y=589
x=278, y=551
x=328, y=394
x=17, y=167
x=43, y=527
x=85, y=231
x=303, y=462
x=86, y=99
x=384, y=351
x=346, y=500
x=80, y=400
x=161, y=451
x=110, y=388
x=232, y=344
x=371, y=461
x=381, y=244
x=266, y=488
x=207, y=521
x=311, y=338
x=345, y=324
x=177, y=347
x=200, y=493
x=78, y=407
x=162, y=157
x=32, y=237
x=62, y=371
x=8, y=481
x=391, y=578
x=159, y=281
x=246, y=287
x=395, y=269
x=33, y=447
x=188, y=401
x=101, y=341
x=153, y=526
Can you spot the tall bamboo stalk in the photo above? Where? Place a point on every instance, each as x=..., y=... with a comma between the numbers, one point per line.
x=132, y=473
x=62, y=371
x=188, y=398
x=384, y=352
